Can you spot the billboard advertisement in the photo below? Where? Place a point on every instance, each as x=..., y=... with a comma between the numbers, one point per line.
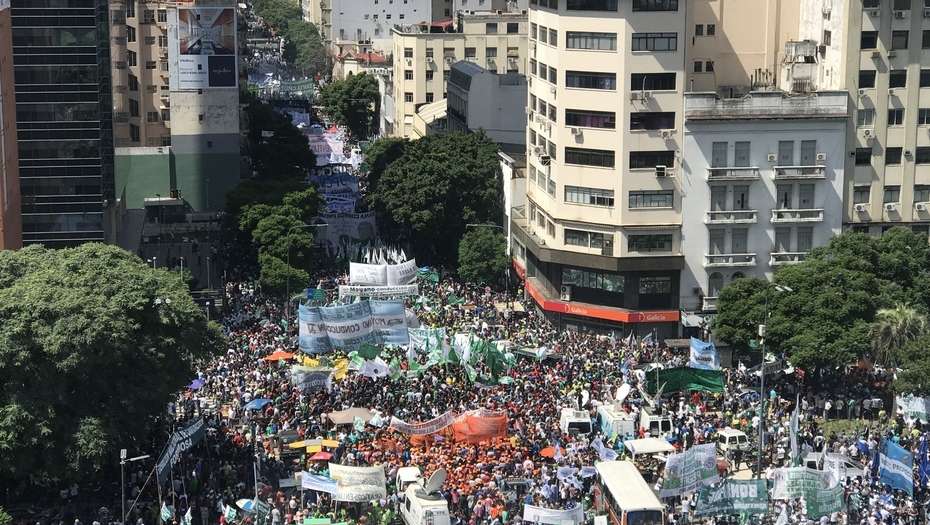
x=203, y=47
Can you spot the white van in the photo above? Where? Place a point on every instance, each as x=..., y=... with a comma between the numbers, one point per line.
x=615, y=422
x=420, y=508
x=654, y=425
x=730, y=440
x=407, y=476
x=575, y=421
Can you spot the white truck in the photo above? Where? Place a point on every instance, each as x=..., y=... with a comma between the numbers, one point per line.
x=615, y=422
x=423, y=503
x=575, y=421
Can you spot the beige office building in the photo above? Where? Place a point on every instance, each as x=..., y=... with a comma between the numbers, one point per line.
x=424, y=54
x=879, y=51
x=139, y=47
x=599, y=241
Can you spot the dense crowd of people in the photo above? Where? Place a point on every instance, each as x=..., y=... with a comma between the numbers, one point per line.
x=489, y=482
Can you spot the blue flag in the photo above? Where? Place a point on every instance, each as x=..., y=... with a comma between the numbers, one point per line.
x=704, y=356
x=923, y=463
x=896, y=467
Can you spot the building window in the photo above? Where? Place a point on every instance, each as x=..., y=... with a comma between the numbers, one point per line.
x=902, y=5
x=899, y=39
x=655, y=5
x=698, y=66
x=429, y=74
x=166, y=114
x=589, y=196
x=892, y=194
x=652, y=199
x=699, y=30
x=408, y=97
x=163, y=16
x=921, y=193
x=925, y=39
x=867, y=79
x=151, y=116
x=711, y=30
x=925, y=78
x=827, y=37
x=896, y=116
x=652, y=243
x=709, y=66
x=513, y=28
x=594, y=41
x=897, y=78
x=590, y=80
x=590, y=119
x=652, y=82
x=490, y=52
x=590, y=157
x=651, y=159
x=131, y=58
x=869, y=40
x=553, y=113
x=133, y=108
x=148, y=16
x=471, y=53
x=429, y=97
x=861, y=194
x=655, y=41
x=150, y=64
x=588, y=239
x=133, y=83
x=655, y=285
x=865, y=117
x=863, y=156
x=591, y=5
x=134, y=133
x=490, y=28
x=130, y=34
x=923, y=117
x=408, y=74
x=131, y=9
x=408, y=52
x=553, y=75
x=922, y=154
x=893, y=155
x=609, y=282
x=652, y=120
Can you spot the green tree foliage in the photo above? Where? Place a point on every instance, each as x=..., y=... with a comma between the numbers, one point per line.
x=285, y=154
x=892, y=329
x=303, y=45
x=438, y=185
x=915, y=376
x=353, y=103
x=378, y=156
x=483, y=255
x=5, y=518
x=826, y=320
x=87, y=358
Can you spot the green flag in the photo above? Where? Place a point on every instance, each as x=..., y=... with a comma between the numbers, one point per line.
x=396, y=372
x=368, y=351
x=187, y=519
x=229, y=512
x=454, y=300
x=167, y=512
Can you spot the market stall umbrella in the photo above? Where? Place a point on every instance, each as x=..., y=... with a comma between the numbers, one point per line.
x=347, y=417
x=257, y=404
x=321, y=456
x=197, y=384
x=279, y=355
x=548, y=452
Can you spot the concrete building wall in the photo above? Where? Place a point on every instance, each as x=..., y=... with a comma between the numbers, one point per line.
x=11, y=228
x=737, y=219
x=488, y=101
x=355, y=20
x=426, y=58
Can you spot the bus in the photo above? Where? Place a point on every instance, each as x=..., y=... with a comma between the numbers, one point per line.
x=624, y=496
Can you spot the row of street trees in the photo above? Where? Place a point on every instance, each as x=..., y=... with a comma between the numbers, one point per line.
x=353, y=103
x=303, y=45
x=858, y=297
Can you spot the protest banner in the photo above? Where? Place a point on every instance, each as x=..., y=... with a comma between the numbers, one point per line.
x=704, y=356
x=367, y=274
x=180, y=442
x=318, y=483
x=914, y=407
x=824, y=502
x=403, y=273
x=480, y=425
x=358, y=484
x=896, y=467
x=424, y=340
x=423, y=428
x=378, y=292
x=349, y=326
x=309, y=379
x=311, y=331
x=820, y=490
x=732, y=496
x=690, y=470
x=390, y=321
x=535, y=514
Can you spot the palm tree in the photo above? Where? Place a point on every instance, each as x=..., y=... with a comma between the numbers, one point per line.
x=892, y=329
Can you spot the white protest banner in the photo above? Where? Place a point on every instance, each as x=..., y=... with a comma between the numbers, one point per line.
x=914, y=407
x=311, y=334
x=349, y=326
x=690, y=470
x=390, y=321
x=426, y=427
x=797, y=482
x=403, y=273
x=424, y=340
x=309, y=379
x=367, y=274
x=358, y=484
x=704, y=356
x=535, y=514
x=316, y=482
x=378, y=291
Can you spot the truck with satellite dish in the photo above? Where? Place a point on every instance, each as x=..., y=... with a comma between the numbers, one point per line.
x=423, y=503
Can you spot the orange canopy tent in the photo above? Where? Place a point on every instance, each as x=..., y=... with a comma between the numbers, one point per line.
x=279, y=355
x=321, y=456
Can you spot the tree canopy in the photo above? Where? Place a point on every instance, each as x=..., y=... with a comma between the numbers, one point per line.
x=303, y=45
x=435, y=187
x=483, y=255
x=826, y=320
x=353, y=103
x=94, y=343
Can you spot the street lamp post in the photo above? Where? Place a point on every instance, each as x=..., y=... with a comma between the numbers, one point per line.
x=762, y=396
x=182, y=268
x=153, y=260
x=122, y=469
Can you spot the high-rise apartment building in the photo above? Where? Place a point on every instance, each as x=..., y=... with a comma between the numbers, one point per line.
x=601, y=240
x=878, y=51
x=424, y=54
x=11, y=234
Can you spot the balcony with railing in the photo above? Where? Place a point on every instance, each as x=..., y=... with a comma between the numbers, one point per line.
x=797, y=215
x=729, y=260
x=785, y=258
x=800, y=172
x=732, y=173
x=731, y=217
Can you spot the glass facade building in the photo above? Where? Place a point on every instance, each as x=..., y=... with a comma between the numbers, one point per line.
x=61, y=58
